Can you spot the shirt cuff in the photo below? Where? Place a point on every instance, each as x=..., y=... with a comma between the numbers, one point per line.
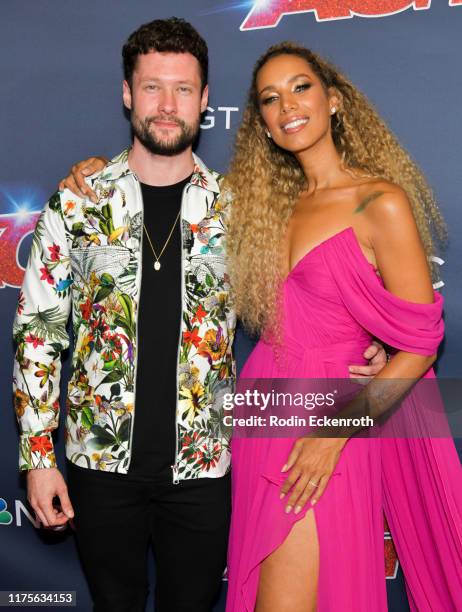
x=36, y=450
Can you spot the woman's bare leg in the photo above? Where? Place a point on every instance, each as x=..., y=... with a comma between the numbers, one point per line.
x=289, y=576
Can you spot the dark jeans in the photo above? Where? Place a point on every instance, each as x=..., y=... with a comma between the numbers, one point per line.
x=117, y=516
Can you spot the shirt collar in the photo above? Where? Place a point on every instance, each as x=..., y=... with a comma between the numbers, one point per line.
x=118, y=167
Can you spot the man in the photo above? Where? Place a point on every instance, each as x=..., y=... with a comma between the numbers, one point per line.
x=142, y=267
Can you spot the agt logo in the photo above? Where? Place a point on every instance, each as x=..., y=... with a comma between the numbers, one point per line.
x=391, y=559
x=268, y=13
x=222, y=114
x=14, y=227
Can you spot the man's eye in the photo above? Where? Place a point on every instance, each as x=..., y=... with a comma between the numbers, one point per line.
x=185, y=90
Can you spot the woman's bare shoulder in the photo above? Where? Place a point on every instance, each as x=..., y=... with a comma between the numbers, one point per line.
x=379, y=200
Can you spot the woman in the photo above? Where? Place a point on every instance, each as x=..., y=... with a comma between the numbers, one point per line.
x=337, y=222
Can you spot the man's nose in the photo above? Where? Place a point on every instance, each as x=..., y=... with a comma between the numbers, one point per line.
x=167, y=102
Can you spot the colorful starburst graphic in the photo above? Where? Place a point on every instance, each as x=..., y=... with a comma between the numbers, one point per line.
x=6, y=518
x=19, y=211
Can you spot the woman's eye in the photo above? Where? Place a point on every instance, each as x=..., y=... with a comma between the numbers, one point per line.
x=269, y=100
x=302, y=86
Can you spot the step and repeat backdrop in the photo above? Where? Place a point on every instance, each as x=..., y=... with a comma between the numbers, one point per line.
x=61, y=102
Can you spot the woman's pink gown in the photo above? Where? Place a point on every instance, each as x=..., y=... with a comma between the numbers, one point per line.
x=334, y=303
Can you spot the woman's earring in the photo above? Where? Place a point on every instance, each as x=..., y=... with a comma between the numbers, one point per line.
x=333, y=110
x=268, y=133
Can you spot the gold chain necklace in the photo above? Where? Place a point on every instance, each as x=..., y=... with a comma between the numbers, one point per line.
x=157, y=257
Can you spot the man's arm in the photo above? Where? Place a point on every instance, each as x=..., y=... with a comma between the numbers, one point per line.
x=40, y=333
x=75, y=180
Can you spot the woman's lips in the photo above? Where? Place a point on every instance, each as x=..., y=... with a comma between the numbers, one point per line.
x=295, y=125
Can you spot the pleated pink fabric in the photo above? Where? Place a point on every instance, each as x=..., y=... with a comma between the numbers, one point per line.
x=334, y=303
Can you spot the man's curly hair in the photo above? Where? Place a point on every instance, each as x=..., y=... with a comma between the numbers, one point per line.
x=173, y=35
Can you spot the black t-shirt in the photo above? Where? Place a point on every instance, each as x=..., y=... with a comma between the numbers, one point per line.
x=159, y=320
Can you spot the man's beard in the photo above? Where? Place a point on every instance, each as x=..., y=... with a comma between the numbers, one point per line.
x=171, y=147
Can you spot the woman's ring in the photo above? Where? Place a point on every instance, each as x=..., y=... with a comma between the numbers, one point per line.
x=314, y=484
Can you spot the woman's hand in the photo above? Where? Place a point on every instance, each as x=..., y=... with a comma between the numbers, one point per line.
x=311, y=464
x=75, y=180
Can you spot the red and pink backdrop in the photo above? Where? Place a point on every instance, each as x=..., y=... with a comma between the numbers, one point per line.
x=61, y=101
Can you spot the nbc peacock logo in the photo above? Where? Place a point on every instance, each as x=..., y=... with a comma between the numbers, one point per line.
x=6, y=518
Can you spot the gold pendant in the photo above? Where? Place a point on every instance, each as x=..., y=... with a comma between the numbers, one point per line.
x=156, y=265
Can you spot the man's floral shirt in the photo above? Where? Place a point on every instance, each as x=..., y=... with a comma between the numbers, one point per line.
x=86, y=261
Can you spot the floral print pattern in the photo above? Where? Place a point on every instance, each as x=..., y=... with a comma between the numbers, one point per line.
x=85, y=261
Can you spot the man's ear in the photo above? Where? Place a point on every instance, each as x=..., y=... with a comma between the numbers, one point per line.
x=205, y=99
x=127, y=95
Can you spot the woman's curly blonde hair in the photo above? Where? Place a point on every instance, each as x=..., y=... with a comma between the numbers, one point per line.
x=265, y=181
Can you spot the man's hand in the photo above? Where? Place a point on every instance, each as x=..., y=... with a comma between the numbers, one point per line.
x=43, y=485
x=75, y=181
x=377, y=357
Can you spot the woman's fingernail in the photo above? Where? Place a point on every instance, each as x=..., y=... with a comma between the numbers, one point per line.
x=288, y=509
x=284, y=468
x=282, y=496
x=297, y=509
x=313, y=502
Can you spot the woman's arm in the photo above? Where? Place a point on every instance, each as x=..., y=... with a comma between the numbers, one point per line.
x=403, y=266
